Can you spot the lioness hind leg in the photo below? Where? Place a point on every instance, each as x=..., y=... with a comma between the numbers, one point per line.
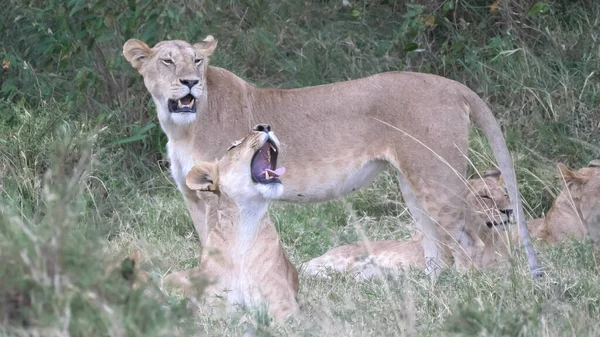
x=439, y=209
x=435, y=257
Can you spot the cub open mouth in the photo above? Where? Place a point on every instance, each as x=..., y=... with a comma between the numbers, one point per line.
x=264, y=165
x=186, y=103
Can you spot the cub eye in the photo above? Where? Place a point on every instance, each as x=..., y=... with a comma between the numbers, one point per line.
x=168, y=62
x=485, y=197
x=234, y=144
x=198, y=61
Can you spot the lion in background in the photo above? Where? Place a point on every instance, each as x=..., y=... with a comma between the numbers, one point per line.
x=575, y=214
x=489, y=212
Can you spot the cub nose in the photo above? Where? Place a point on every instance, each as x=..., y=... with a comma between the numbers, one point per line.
x=262, y=128
x=189, y=83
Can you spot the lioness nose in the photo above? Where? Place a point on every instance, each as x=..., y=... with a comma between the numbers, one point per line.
x=189, y=83
x=262, y=128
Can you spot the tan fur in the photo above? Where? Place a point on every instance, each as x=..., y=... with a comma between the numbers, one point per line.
x=575, y=213
x=367, y=259
x=242, y=257
x=487, y=213
x=337, y=137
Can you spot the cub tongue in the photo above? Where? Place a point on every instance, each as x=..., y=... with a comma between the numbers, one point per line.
x=277, y=173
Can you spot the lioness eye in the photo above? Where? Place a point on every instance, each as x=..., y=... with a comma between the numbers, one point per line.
x=198, y=61
x=167, y=61
x=485, y=197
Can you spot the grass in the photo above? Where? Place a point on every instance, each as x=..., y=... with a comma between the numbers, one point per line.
x=81, y=187
x=69, y=211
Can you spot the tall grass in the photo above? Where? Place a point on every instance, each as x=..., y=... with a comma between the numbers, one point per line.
x=84, y=181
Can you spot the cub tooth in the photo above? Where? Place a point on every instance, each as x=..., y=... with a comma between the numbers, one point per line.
x=192, y=102
x=267, y=175
x=179, y=105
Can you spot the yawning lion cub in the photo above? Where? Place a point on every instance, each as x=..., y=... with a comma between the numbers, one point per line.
x=242, y=256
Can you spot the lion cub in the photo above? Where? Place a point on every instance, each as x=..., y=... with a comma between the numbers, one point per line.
x=489, y=210
x=242, y=257
x=575, y=213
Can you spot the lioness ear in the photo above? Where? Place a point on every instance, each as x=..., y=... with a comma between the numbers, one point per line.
x=207, y=47
x=135, y=51
x=571, y=177
x=203, y=177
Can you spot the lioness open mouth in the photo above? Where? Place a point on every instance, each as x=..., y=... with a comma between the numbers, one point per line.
x=264, y=165
x=186, y=103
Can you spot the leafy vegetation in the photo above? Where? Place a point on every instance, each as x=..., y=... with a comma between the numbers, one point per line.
x=84, y=180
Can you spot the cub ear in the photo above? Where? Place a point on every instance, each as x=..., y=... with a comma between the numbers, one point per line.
x=136, y=51
x=492, y=174
x=594, y=163
x=203, y=177
x=207, y=47
x=571, y=177
x=496, y=174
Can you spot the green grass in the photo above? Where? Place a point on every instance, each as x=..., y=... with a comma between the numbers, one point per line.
x=84, y=182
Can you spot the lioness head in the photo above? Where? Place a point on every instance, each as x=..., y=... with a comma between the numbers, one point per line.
x=488, y=201
x=584, y=189
x=174, y=74
x=247, y=170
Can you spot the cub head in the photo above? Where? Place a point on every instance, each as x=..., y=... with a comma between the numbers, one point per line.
x=584, y=189
x=174, y=73
x=247, y=170
x=488, y=201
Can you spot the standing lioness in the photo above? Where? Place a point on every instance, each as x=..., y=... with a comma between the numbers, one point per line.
x=337, y=137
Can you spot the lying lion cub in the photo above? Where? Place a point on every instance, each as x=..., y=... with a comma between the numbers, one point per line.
x=489, y=210
x=575, y=213
x=242, y=255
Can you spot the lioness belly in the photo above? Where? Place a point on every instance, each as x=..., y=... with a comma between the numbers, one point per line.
x=326, y=181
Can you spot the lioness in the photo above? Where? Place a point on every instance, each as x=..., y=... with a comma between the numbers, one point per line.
x=575, y=212
x=242, y=255
x=489, y=211
x=338, y=136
